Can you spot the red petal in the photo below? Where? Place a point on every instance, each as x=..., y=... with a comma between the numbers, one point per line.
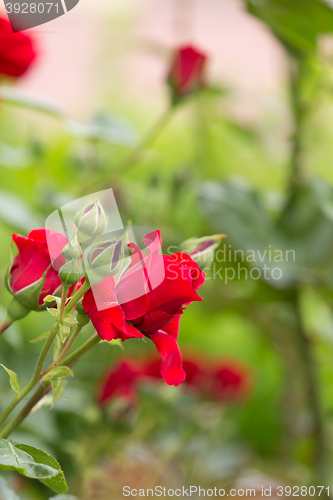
x=120, y=381
x=174, y=291
x=171, y=367
x=156, y=320
x=153, y=241
x=30, y=264
x=106, y=315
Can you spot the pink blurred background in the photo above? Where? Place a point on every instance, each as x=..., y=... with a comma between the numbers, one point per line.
x=102, y=48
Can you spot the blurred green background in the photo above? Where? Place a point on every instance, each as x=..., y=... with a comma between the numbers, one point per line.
x=250, y=156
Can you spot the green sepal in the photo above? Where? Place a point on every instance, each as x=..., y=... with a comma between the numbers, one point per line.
x=29, y=296
x=7, y=273
x=82, y=317
x=16, y=311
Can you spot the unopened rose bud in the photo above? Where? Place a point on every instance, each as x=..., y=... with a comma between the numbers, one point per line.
x=70, y=273
x=105, y=258
x=91, y=220
x=82, y=317
x=202, y=249
x=187, y=72
x=73, y=249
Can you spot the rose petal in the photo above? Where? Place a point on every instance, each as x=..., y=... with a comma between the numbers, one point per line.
x=171, y=367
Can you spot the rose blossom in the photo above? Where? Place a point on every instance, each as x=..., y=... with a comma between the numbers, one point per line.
x=17, y=51
x=34, y=259
x=155, y=311
x=223, y=381
x=186, y=73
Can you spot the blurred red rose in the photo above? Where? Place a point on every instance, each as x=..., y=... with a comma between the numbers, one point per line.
x=230, y=382
x=34, y=259
x=17, y=51
x=187, y=70
x=120, y=382
x=148, y=300
x=225, y=381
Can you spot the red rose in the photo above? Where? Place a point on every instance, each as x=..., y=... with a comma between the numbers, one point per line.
x=225, y=381
x=120, y=382
x=187, y=71
x=17, y=51
x=33, y=260
x=231, y=381
x=148, y=300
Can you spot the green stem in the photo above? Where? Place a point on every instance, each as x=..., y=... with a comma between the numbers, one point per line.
x=41, y=360
x=18, y=398
x=299, y=113
x=63, y=303
x=73, y=301
x=313, y=399
x=13, y=424
x=41, y=390
x=76, y=355
x=125, y=164
x=65, y=350
x=5, y=324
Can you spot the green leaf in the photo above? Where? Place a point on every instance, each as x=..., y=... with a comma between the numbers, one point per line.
x=12, y=379
x=52, y=298
x=69, y=318
x=45, y=402
x=58, y=385
x=57, y=372
x=297, y=23
x=5, y=492
x=39, y=338
x=64, y=332
x=53, y=311
x=33, y=463
x=57, y=347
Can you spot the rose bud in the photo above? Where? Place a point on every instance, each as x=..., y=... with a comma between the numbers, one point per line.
x=70, y=273
x=91, y=220
x=17, y=51
x=30, y=276
x=73, y=249
x=186, y=74
x=82, y=317
x=202, y=250
x=105, y=259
